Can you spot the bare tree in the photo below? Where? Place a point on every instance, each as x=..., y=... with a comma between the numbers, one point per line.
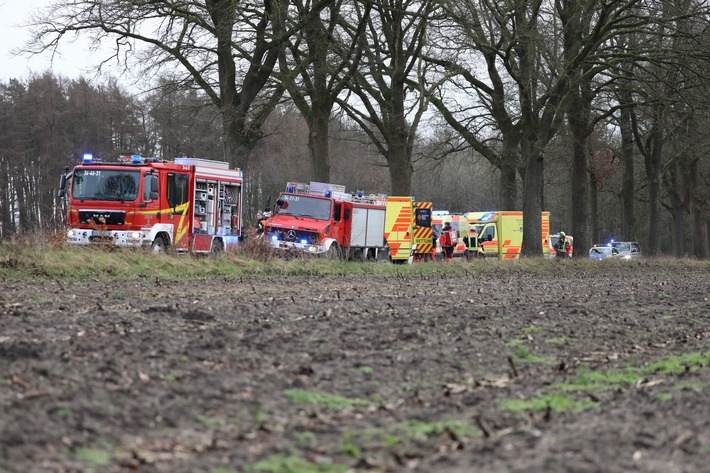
x=383, y=103
x=316, y=65
x=227, y=49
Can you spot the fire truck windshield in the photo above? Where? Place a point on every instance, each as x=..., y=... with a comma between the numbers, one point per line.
x=105, y=184
x=306, y=206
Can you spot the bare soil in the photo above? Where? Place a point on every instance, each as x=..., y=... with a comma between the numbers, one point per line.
x=403, y=374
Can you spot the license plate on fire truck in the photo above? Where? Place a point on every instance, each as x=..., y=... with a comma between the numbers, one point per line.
x=100, y=237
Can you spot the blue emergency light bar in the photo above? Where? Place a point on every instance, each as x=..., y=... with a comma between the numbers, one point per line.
x=487, y=216
x=136, y=159
x=88, y=158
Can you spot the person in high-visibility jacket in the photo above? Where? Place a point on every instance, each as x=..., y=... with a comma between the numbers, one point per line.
x=448, y=240
x=563, y=248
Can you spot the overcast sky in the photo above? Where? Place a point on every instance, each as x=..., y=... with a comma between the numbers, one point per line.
x=74, y=61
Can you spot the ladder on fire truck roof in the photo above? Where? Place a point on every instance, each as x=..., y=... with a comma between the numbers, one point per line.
x=336, y=191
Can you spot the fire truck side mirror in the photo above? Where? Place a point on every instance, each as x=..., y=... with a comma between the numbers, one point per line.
x=63, y=183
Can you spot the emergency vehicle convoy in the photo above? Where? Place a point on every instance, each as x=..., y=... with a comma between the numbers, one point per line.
x=189, y=204
x=500, y=234
x=322, y=219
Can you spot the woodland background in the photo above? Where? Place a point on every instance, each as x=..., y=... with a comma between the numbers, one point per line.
x=596, y=111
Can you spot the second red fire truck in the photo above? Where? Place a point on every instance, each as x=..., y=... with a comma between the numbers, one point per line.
x=322, y=219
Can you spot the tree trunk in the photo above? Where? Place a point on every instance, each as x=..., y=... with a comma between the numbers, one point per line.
x=579, y=117
x=400, y=168
x=654, y=176
x=675, y=193
x=532, y=200
x=593, y=211
x=318, y=146
x=508, y=190
x=699, y=234
x=628, y=216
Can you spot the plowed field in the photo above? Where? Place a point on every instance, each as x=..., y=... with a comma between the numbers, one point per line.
x=600, y=369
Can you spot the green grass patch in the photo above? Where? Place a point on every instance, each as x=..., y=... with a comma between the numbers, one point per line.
x=294, y=464
x=597, y=381
x=316, y=398
x=523, y=354
x=366, y=369
x=306, y=437
x=94, y=458
x=50, y=259
x=420, y=429
x=688, y=362
x=560, y=340
x=534, y=329
x=589, y=381
x=411, y=430
x=555, y=402
x=209, y=422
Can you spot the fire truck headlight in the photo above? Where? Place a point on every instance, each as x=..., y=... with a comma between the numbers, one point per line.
x=136, y=236
x=71, y=233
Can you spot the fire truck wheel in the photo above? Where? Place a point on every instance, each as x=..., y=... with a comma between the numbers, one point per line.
x=217, y=247
x=159, y=245
x=334, y=252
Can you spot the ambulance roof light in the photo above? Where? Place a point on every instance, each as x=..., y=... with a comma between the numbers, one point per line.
x=88, y=158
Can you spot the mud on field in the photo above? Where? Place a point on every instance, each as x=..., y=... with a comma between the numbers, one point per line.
x=604, y=369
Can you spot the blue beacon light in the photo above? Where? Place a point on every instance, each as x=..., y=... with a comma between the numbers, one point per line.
x=88, y=158
x=136, y=159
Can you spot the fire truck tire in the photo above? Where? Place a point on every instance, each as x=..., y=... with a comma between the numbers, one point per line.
x=334, y=252
x=217, y=247
x=159, y=245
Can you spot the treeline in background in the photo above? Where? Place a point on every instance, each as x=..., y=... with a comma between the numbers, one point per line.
x=595, y=111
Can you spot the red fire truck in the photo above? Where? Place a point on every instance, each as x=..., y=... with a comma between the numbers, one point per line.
x=322, y=219
x=188, y=205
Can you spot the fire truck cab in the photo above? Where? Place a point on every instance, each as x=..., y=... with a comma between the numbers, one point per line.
x=189, y=205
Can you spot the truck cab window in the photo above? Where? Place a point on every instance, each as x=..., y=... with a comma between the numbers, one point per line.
x=177, y=189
